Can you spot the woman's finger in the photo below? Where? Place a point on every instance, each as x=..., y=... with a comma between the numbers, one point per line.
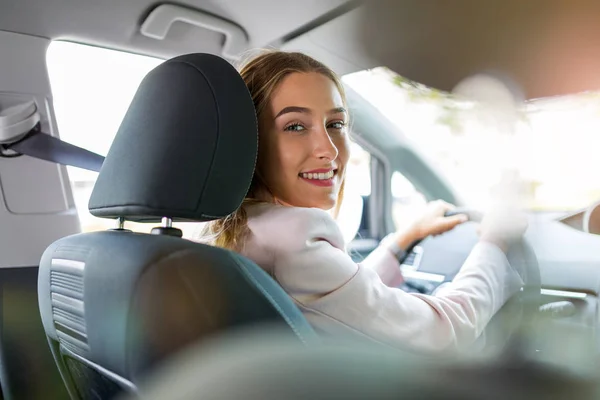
x=445, y=205
x=445, y=224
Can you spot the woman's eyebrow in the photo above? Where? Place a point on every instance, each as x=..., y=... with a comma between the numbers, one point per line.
x=338, y=110
x=304, y=110
x=293, y=109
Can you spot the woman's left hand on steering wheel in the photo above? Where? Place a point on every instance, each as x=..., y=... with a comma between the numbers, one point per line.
x=430, y=222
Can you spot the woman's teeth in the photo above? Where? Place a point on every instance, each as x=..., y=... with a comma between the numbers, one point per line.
x=319, y=176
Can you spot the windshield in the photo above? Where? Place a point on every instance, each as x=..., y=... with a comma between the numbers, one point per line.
x=553, y=146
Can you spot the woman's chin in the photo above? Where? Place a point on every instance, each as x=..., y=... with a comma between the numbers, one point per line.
x=323, y=202
x=326, y=205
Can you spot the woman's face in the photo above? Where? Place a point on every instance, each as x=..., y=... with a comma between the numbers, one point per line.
x=303, y=146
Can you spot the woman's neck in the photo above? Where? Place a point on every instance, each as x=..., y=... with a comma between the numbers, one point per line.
x=266, y=196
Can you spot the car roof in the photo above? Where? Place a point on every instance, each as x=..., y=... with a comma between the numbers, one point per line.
x=549, y=47
x=115, y=23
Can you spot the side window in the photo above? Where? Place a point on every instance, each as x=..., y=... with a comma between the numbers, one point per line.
x=406, y=200
x=92, y=88
x=356, y=192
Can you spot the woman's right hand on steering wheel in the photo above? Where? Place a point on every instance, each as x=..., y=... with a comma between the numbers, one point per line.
x=503, y=226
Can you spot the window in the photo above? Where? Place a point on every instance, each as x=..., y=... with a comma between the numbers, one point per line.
x=91, y=89
x=550, y=145
x=357, y=188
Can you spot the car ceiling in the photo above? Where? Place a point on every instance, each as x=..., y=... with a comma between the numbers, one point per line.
x=115, y=23
x=549, y=47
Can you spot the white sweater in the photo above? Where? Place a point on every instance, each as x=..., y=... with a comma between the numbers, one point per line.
x=304, y=251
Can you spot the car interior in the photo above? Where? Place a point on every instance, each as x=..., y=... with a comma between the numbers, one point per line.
x=103, y=182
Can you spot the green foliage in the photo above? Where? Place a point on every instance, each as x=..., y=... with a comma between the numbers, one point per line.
x=452, y=108
x=418, y=92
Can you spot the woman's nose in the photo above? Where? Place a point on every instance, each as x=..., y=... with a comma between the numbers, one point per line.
x=324, y=146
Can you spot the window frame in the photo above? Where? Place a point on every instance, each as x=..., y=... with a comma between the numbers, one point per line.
x=377, y=227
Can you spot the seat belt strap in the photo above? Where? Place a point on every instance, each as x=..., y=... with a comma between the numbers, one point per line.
x=40, y=145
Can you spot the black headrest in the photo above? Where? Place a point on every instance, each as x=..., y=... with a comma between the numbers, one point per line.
x=186, y=148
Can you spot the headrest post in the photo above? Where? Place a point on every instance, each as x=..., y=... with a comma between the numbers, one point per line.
x=121, y=223
x=167, y=228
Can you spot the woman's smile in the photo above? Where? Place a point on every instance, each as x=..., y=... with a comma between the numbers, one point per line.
x=320, y=177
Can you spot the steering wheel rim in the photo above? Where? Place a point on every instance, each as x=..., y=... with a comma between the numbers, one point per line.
x=504, y=332
x=510, y=328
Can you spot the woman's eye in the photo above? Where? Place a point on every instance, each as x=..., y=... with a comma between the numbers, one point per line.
x=337, y=125
x=294, y=128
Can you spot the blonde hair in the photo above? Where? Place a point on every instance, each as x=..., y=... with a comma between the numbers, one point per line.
x=263, y=74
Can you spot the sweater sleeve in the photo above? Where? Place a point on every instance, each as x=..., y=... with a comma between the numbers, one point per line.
x=313, y=268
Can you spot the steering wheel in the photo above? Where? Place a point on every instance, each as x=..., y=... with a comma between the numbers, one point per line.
x=509, y=328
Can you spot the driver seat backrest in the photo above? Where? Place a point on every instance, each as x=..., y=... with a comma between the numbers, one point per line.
x=115, y=304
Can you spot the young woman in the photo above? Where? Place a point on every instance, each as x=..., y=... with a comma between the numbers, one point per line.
x=287, y=224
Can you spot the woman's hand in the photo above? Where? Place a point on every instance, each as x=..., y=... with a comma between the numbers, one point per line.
x=430, y=222
x=503, y=226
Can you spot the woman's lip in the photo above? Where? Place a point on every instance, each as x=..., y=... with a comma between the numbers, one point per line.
x=319, y=171
x=320, y=182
